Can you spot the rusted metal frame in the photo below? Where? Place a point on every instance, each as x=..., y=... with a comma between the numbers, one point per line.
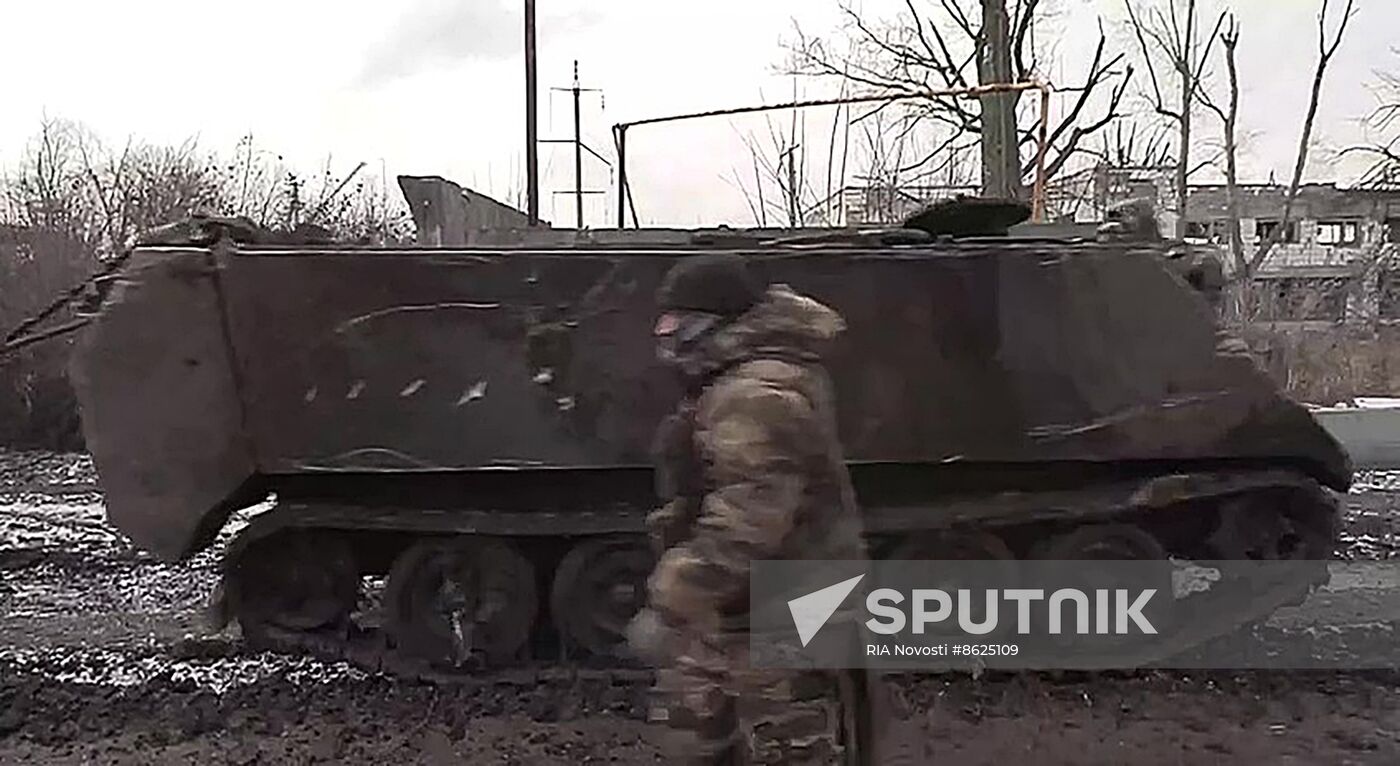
x=19, y=336
x=624, y=192
x=1038, y=192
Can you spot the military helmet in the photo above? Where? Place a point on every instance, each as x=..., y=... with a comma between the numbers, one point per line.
x=714, y=284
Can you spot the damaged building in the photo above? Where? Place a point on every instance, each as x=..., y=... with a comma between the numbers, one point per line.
x=1334, y=261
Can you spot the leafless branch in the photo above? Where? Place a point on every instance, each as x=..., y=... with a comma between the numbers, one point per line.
x=1384, y=171
x=1325, y=52
x=937, y=47
x=1142, y=31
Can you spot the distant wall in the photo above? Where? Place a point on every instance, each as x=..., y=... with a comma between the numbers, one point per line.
x=485, y=214
x=447, y=215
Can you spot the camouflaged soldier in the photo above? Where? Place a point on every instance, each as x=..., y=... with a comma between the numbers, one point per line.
x=751, y=468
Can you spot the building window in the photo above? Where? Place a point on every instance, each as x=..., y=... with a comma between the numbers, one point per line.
x=1313, y=299
x=1266, y=230
x=1343, y=233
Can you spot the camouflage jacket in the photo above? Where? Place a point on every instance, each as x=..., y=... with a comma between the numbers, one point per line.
x=751, y=466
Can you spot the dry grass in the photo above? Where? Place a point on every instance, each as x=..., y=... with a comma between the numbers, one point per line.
x=1325, y=366
x=37, y=408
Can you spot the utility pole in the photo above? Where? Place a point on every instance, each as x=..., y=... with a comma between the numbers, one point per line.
x=532, y=159
x=579, y=146
x=578, y=150
x=1001, y=155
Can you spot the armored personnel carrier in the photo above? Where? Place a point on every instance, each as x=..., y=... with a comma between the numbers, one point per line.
x=474, y=424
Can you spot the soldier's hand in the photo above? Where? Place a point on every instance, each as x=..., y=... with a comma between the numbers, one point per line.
x=648, y=636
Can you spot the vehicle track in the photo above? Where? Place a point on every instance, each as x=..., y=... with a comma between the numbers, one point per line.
x=96, y=667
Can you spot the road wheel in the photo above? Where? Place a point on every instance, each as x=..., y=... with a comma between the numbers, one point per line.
x=599, y=586
x=1099, y=553
x=454, y=601
x=295, y=580
x=1101, y=542
x=960, y=545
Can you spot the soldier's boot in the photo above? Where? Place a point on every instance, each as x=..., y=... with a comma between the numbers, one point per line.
x=703, y=722
x=688, y=746
x=866, y=711
x=807, y=733
x=798, y=720
x=719, y=740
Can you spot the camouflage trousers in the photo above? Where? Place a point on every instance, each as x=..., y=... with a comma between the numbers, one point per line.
x=741, y=715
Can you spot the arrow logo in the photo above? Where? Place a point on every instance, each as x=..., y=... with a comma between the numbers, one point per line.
x=810, y=612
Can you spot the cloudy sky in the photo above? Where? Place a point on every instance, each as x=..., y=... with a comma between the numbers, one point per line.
x=436, y=86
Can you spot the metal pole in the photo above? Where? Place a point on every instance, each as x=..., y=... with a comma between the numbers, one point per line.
x=620, y=129
x=1038, y=193
x=620, y=138
x=632, y=206
x=532, y=160
x=578, y=151
x=900, y=95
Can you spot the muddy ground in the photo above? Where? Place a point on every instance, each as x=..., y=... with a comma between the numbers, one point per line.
x=103, y=659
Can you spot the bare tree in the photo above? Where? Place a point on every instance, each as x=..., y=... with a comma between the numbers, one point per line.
x=938, y=45
x=1384, y=149
x=780, y=185
x=1247, y=263
x=1326, y=49
x=1001, y=161
x=1229, y=122
x=69, y=182
x=72, y=199
x=779, y=166
x=873, y=147
x=1171, y=40
x=259, y=185
x=1134, y=144
x=1327, y=44
x=892, y=188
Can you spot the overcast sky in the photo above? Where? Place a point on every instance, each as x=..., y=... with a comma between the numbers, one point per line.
x=436, y=86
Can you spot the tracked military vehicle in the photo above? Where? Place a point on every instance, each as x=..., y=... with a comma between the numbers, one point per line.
x=474, y=424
